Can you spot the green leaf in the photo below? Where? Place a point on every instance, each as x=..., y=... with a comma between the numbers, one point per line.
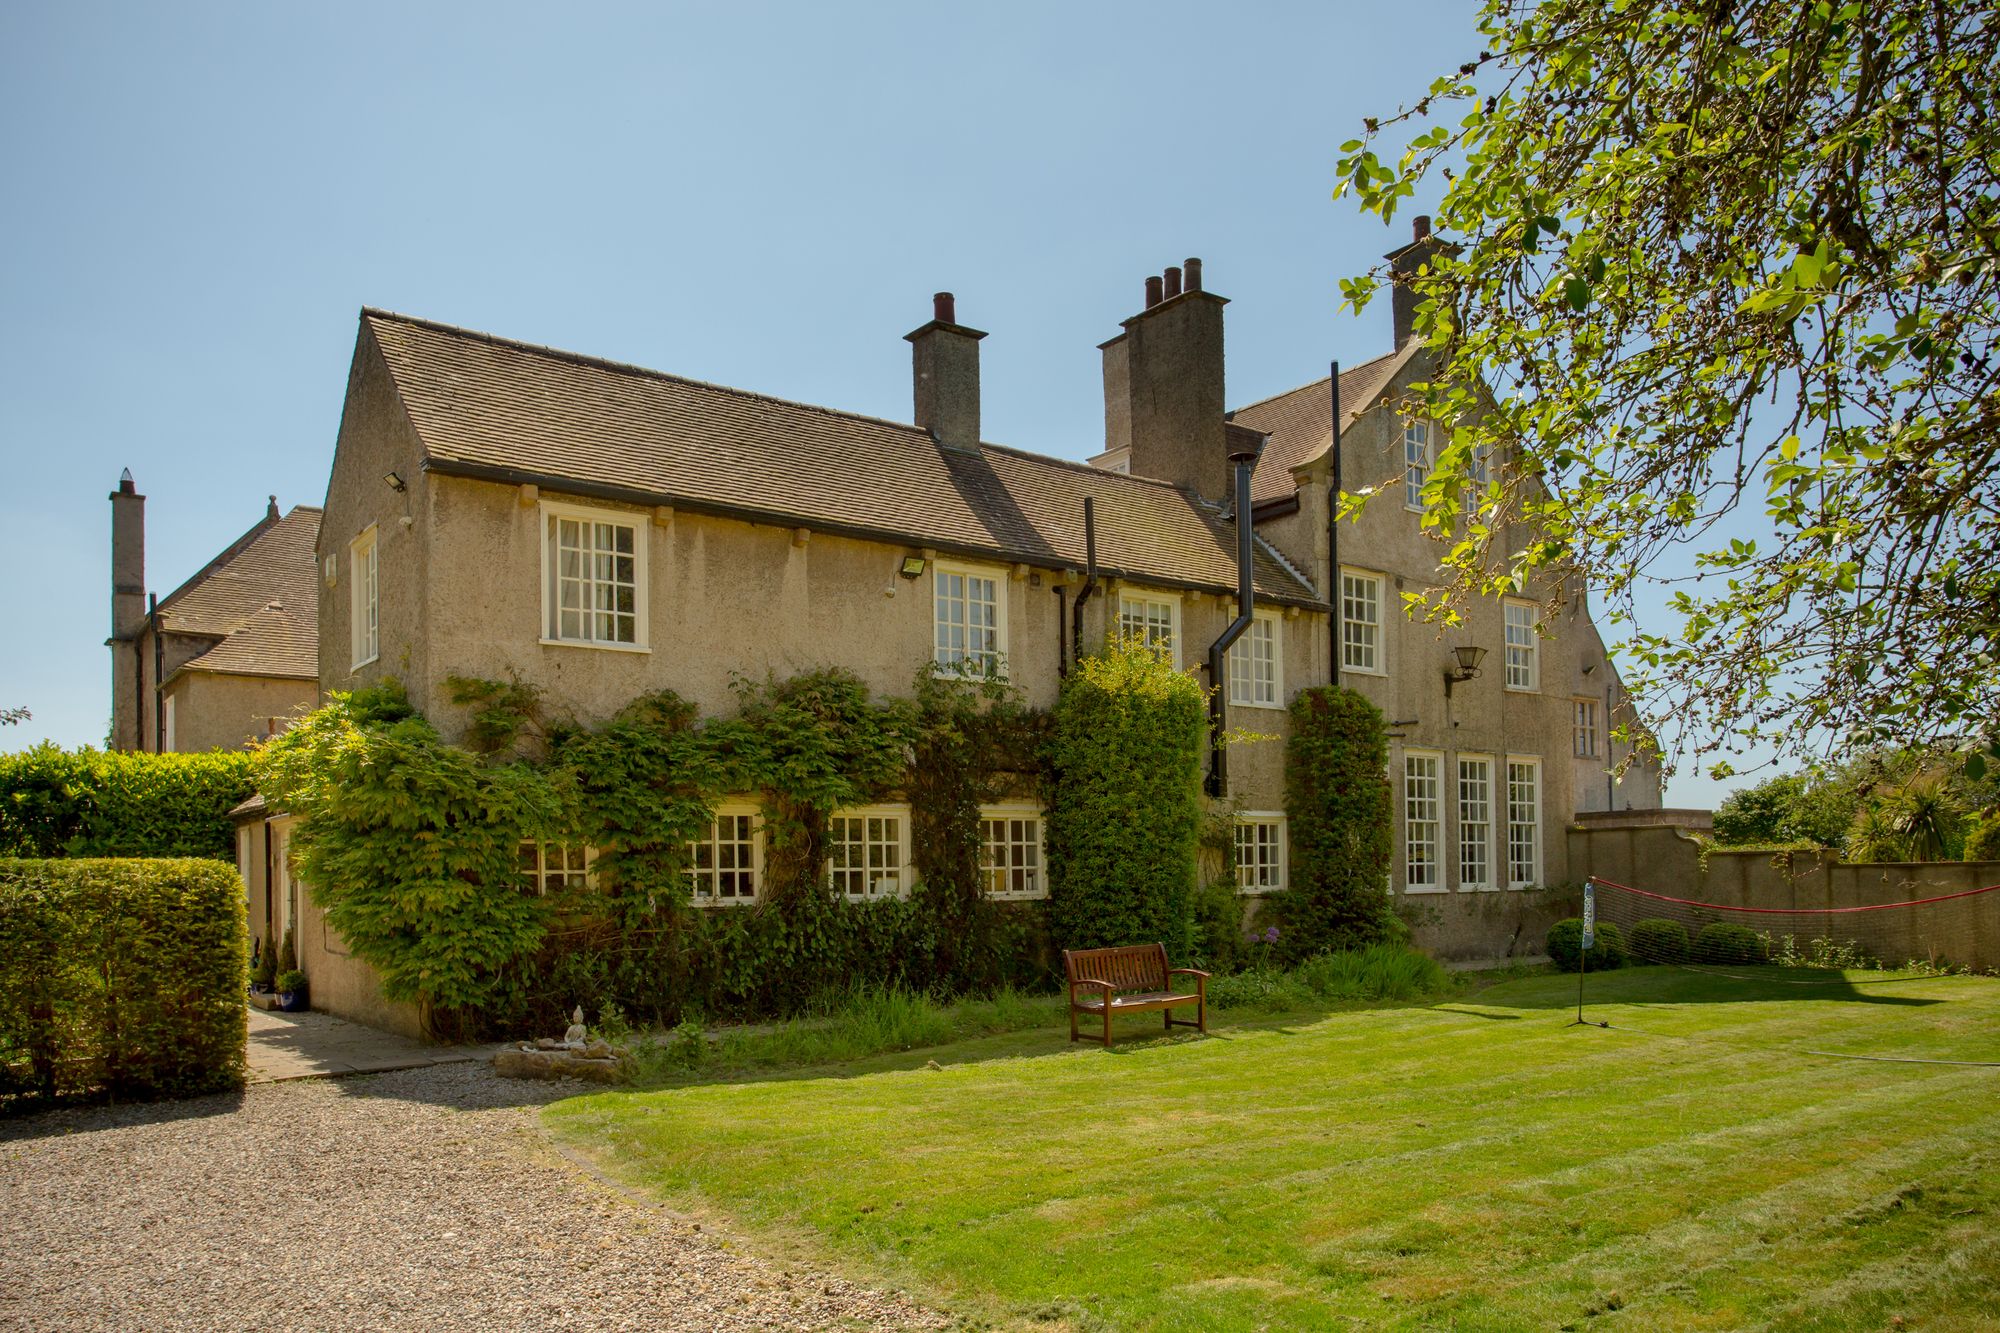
x=1577, y=292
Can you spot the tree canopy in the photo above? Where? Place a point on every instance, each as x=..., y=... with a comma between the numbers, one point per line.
x=1720, y=280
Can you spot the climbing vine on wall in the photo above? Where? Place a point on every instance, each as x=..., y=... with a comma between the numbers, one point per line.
x=1338, y=812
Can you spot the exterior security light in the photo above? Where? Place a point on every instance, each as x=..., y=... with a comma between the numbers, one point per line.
x=395, y=482
x=913, y=567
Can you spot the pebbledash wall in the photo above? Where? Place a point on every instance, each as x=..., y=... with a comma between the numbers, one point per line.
x=1667, y=857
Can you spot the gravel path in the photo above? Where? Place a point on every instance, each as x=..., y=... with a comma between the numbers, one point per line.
x=424, y=1199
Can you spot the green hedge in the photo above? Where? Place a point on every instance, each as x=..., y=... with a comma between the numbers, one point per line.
x=1566, y=946
x=1124, y=821
x=123, y=977
x=1338, y=808
x=56, y=802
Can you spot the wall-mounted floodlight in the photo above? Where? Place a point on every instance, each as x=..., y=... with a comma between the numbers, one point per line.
x=395, y=481
x=913, y=567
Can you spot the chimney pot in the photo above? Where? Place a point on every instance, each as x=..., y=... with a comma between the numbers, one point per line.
x=1420, y=227
x=125, y=485
x=944, y=308
x=1153, y=296
x=1192, y=268
x=1173, y=288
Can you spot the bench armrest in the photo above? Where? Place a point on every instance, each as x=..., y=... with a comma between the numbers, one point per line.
x=1187, y=972
x=1104, y=986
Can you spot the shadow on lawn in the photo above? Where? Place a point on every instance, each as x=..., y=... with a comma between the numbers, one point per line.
x=1671, y=985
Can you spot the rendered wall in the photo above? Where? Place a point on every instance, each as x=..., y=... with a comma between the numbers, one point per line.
x=220, y=712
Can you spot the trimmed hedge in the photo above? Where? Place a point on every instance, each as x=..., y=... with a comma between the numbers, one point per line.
x=124, y=977
x=56, y=802
x=1721, y=942
x=1566, y=946
x=1659, y=940
x=1124, y=822
x=1341, y=826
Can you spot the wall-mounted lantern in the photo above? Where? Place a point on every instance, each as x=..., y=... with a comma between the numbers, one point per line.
x=1467, y=667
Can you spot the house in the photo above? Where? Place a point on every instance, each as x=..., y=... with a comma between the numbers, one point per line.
x=600, y=530
x=225, y=658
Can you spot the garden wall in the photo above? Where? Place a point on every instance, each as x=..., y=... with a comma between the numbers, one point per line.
x=1669, y=860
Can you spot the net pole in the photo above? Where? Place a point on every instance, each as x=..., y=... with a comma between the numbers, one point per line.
x=1585, y=940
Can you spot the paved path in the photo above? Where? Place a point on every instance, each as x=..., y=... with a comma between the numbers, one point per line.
x=308, y=1045
x=428, y=1199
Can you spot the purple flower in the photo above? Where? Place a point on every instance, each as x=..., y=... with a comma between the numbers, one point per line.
x=1271, y=935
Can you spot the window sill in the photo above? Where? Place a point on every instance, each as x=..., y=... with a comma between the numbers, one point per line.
x=1017, y=897
x=366, y=661
x=1379, y=672
x=1263, y=892
x=1275, y=708
x=599, y=646
x=1425, y=890
x=727, y=903
x=1523, y=689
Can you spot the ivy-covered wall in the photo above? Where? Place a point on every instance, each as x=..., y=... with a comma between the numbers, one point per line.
x=1338, y=807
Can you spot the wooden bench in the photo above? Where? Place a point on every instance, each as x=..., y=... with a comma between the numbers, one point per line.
x=1131, y=980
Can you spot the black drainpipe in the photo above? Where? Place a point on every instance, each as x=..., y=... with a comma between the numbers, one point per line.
x=1334, y=590
x=1246, y=602
x=159, y=665
x=1089, y=577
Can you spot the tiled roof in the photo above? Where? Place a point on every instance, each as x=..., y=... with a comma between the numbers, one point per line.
x=273, y=562
x=1300, y=422
x=275, y=641
x=489, y=407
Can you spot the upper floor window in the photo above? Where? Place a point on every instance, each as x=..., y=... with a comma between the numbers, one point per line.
x=1260, y=852
x=1010, y=852
x=1361, y=621
x=363, y=606
x=1255, y=675
x=868, y=852
x=1586, y=728
x=594, y=577
x=1416, y=462
x=1524, y=669
x=969, y=615
x=547, y=867
x=1152, y=620
x=725, y=864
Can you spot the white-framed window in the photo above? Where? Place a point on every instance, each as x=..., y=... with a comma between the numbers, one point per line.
x=868, y=852
x=1152, y=619
x=1586, y=728
x=1475, y=821
x=969, y=615
x=1524, y=647
x=593, y=577
x=1361, y=622
x=1011, y=857
x=726, y=865
x=1260, y=851
x=1416, y=462
x=1480, y=470
x=1423, y=821
x=1256, y=675
x=169, y=728
x=549, y=867
x=363, y=604
x=1524, y=822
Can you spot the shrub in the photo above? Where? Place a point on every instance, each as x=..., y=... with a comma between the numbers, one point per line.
x=56, y=802
x=1124, y=821
x=1378, y=972
x=1566, y=946
x=292, y=982
x=266, y=970
x=1658, y=940
x=124, y=976
x=1339, y=816
x=288, y=956
x=1982, y=836
x=1722, y=942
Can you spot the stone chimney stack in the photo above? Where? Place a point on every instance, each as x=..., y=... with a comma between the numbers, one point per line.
x=128, y=611
x=1163, y=385
x=1402, y=263
x=944, y=360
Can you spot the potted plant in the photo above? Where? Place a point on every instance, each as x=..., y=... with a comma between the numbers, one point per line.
x=292, y=991
x=263, y=969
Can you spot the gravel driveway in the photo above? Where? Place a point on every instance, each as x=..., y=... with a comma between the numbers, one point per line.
x=427, y=1198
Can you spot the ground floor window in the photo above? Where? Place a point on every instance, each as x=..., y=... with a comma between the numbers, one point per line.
x=724, y=865
x=1524, y=822
x=548, y=867
x=1010, y=853
x=1475, y=822
x=1260, y=852
x=1422, y=822
x=868, y=852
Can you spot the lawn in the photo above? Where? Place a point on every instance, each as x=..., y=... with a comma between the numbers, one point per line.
x=1472, y=1164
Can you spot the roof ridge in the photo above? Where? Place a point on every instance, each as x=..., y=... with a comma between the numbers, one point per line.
x=632, y=368
x=229, y=553
x=1313, y=384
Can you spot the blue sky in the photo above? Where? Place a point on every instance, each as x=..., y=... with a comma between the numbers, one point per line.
x=199, y=200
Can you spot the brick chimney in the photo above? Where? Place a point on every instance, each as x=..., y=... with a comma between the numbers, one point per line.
x=128, y=611
x=1403, y=263
x=1163, y=385
x=944, y=360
